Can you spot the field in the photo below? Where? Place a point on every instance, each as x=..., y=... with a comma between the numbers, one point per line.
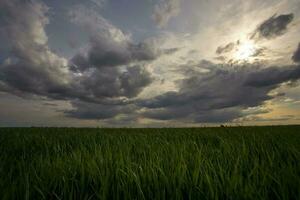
x=188, y=163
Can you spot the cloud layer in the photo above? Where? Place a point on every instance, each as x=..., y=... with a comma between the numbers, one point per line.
x=106, y=79
x=221, y=94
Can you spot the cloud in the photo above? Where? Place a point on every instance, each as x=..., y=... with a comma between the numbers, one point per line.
x=91, y=111
x=274, y=26
x=104, y=80
x=112, y=82
x=296, y=56
x=272, y=76
x=225, y=49
x=104, y=53
x=99, y=3
x=221, y=94
x=109, y=46
x=106, y=92
x=95, y=24
x=164, y=11
x=33, y=69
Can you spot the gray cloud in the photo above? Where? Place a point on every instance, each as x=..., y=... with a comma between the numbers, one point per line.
x=33, y=69
x=296, y=56
x=272, y=76
x=113, y=82
x=221, y=94
x=170, y=51
x=164, y=11
x=274, y=26
x=102, y=53
x=225, y=49
x=126, y=114
x=109, y=55
x=109, y=46
x=85, y=110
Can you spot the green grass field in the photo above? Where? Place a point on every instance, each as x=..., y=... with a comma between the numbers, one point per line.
x=188, y=163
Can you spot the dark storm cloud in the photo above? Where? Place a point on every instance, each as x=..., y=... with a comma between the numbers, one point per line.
x=33, y=69
x=296, y=56
x=225, y=49
x=274, y=26
x=221, y=94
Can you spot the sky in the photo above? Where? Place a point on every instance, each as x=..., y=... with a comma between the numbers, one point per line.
x=149, y=63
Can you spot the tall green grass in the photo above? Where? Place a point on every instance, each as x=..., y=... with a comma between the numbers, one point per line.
x=190, y=163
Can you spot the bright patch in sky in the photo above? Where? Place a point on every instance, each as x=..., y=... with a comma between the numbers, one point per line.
x=245, y=50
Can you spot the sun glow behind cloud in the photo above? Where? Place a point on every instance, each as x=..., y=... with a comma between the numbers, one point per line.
x=245, y=50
